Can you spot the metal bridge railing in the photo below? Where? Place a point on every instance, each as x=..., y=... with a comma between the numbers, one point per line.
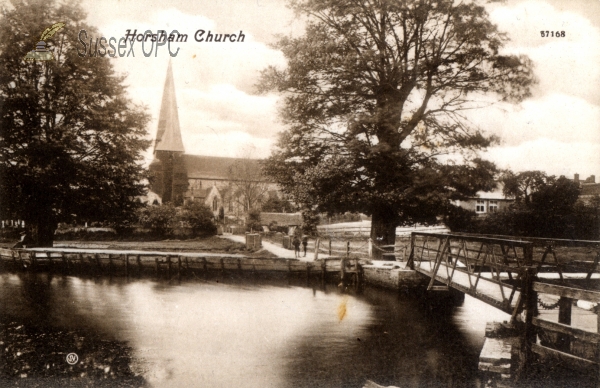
x=523, y=275
x=489, y=269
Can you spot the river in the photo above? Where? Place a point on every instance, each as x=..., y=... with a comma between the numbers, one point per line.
x=222, y=332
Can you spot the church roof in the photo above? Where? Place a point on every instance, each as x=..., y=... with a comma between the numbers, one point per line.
x=168, y=134
x=213, y=167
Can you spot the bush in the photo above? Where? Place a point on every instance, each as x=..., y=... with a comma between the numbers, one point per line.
x=310, y=220
x=253, y=223
x=199, y=217
x=276, y=205
x=459, y=219
x=160, y=219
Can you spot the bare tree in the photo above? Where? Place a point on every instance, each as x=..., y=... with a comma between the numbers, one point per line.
x=248, y=185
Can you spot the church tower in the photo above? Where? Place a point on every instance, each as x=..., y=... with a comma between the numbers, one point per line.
x=169, y=176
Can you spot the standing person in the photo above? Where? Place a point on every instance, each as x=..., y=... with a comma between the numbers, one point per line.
x=304, y=243
x=296, y=242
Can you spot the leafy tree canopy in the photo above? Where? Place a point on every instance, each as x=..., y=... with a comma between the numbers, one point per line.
x=522, y=185
x=70, y=139
x=374, y=97
x=277, y=205
x=545, y=206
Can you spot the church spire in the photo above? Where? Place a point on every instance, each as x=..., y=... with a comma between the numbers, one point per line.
x=168, y=135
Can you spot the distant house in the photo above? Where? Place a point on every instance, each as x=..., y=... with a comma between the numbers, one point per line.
x=589, y=188
x=485, y=203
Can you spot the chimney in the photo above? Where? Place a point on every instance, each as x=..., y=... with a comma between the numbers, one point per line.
x=576, y=178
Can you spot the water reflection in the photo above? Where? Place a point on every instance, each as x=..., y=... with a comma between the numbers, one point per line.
x=256, y=333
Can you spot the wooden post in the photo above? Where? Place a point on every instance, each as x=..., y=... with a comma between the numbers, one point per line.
x=324, y=268
x=139, y=265
x=168, y=267
x=359, y=273
x=179, y=267
x=347, y=249
x=411, y=257
x=329, y=247
x=50, y=263
x=204, y=265
x=598, y=349
x=528, y=334
x=33, y=260
x=64, y=261
x=127, y=265
x=564, y=316
x=80, y=256
x=156, y=262
x=317, y=246
x=98, y=263
x=342, y=269
x=222, y=266
x=20, y=259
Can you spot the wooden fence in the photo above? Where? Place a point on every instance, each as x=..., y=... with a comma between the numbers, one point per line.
x=137, y=264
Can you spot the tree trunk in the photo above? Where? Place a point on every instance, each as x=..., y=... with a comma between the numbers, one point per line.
x=383, y=232
x=41, y=232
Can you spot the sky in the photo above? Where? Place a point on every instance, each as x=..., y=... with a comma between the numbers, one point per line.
x=557, y=130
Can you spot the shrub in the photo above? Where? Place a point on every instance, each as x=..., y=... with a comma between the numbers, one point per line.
x=253, y=223
x=160, y=219
x=310, y=220
x=199, y=217
x=459, y=219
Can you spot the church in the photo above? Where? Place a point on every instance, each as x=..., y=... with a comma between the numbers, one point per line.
x=230, y=186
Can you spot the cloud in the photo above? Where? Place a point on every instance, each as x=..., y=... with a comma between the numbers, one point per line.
x=218, y=111
x=559, y=117
x=567, y=65
x=548, y=155
x=558, y=130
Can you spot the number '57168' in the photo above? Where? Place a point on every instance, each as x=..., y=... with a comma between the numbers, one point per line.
x=552, y=34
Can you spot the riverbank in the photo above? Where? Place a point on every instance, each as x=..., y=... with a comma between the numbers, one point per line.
x=213, y=244
x=36, y=356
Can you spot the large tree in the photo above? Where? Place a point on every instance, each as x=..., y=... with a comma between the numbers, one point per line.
x=70, y=139
x=374, y=96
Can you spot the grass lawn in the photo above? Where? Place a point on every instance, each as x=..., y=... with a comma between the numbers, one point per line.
x=205, y=244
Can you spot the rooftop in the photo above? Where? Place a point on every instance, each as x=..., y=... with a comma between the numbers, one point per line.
x=213, y=167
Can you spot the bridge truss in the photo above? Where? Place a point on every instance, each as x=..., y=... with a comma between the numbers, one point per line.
x=516, y=275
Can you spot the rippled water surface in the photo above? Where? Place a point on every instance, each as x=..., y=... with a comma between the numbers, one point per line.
x=269, y=333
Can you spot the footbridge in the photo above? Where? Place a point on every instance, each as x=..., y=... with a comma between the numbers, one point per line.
x=523, y=277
